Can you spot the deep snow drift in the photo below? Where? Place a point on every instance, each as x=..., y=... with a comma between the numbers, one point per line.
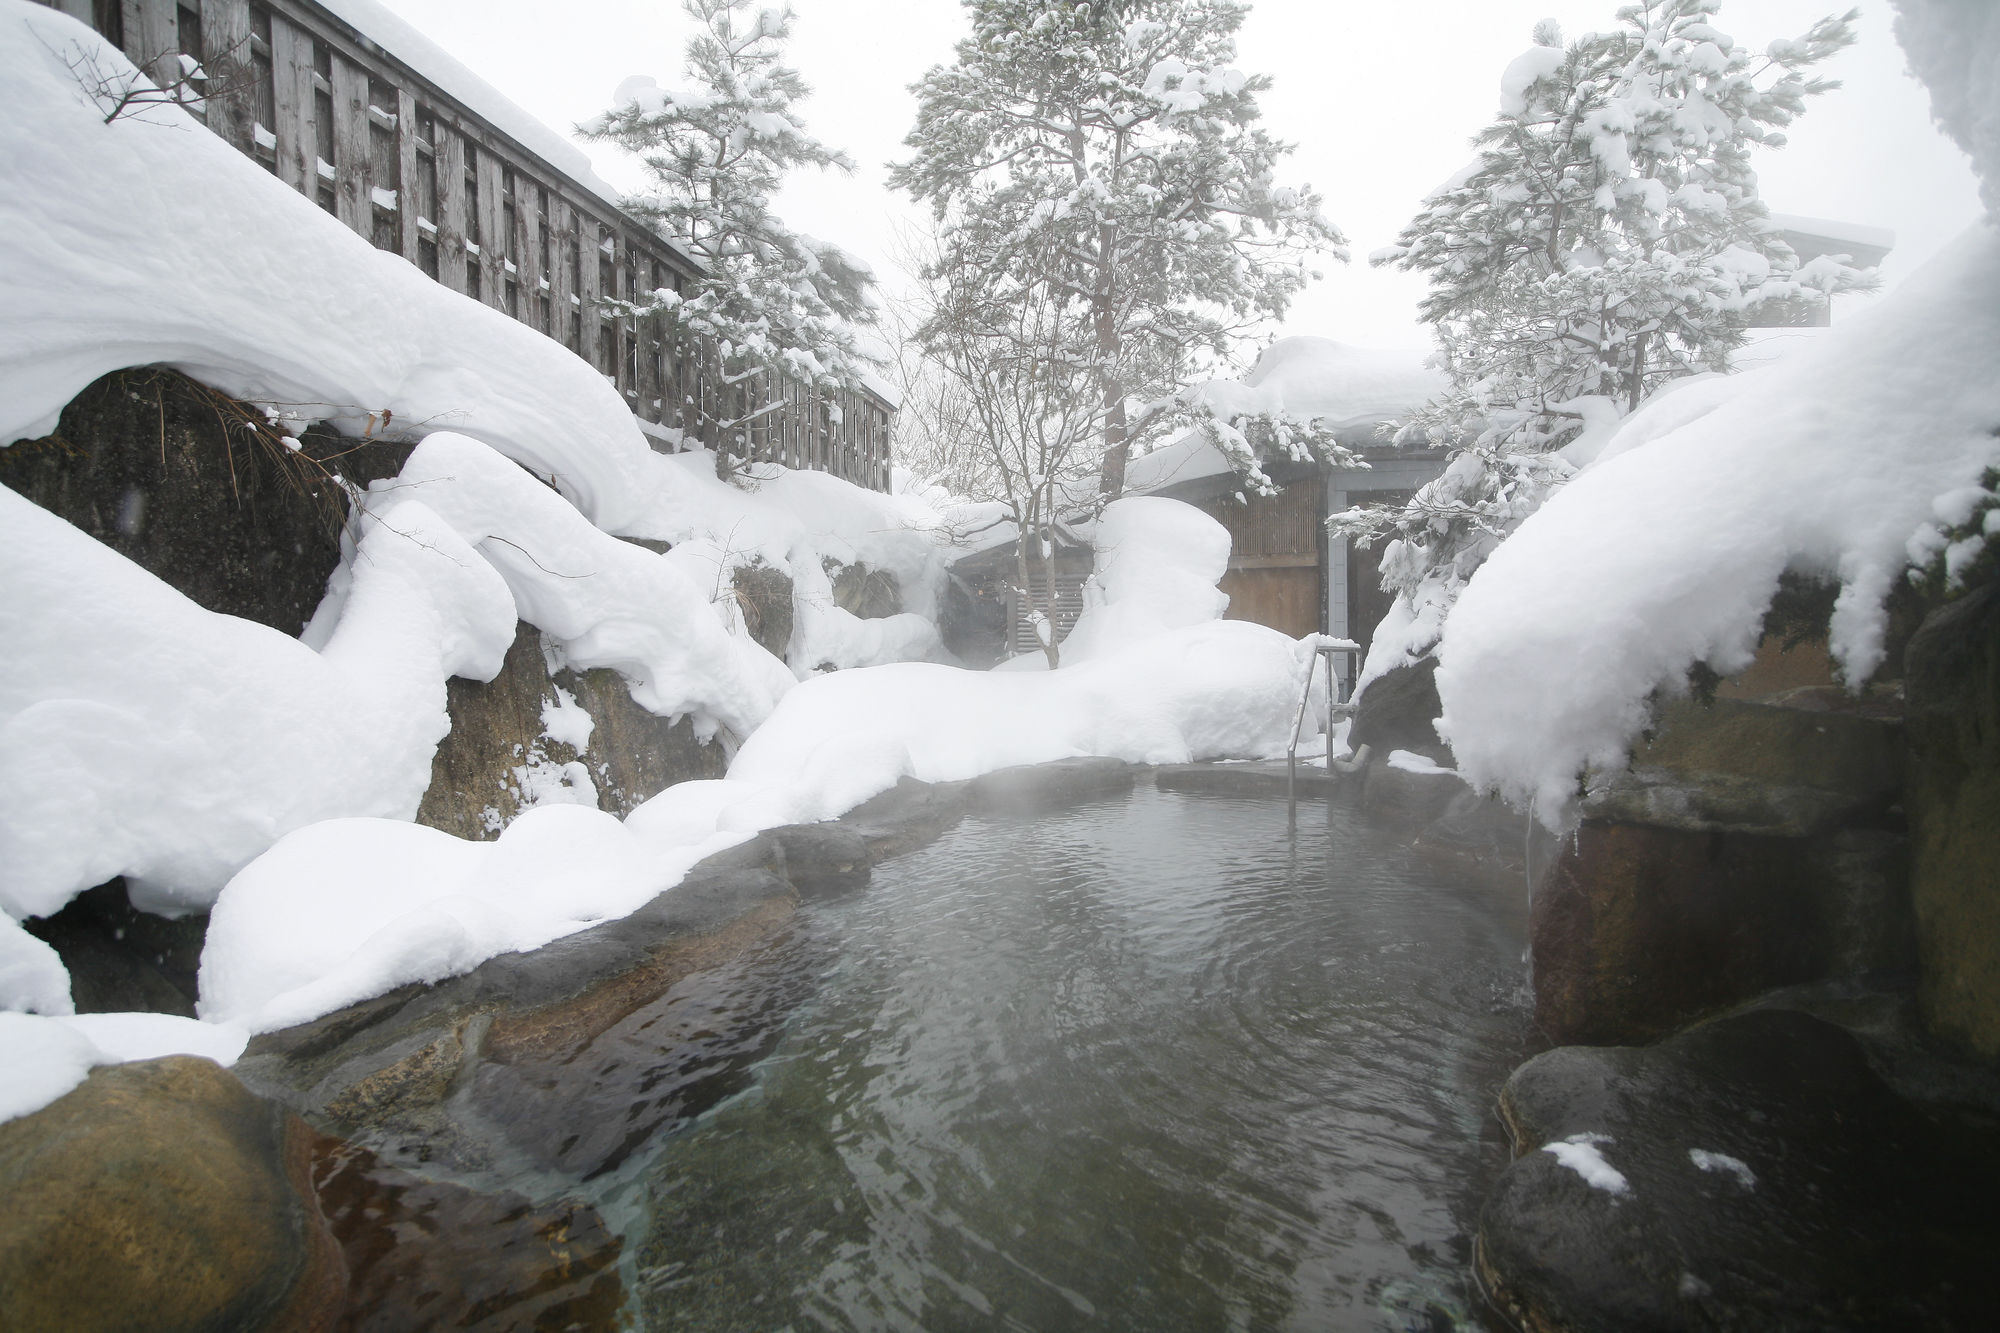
x=1847, y=460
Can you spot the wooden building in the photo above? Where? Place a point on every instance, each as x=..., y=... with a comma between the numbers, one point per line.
x=406, y=148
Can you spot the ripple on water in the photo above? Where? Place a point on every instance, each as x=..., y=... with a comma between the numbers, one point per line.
x=1137, y=1066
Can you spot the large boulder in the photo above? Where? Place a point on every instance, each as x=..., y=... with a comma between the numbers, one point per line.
x=503, y=754
x=1750, y=846
x=1751, y=1173
x=1953, y=685
x=163, y=1195
x=1398, y=711
x=200, y=490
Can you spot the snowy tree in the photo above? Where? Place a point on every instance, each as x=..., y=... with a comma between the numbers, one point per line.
x=1608, y=238
x=773, y=300
x=1100, y=169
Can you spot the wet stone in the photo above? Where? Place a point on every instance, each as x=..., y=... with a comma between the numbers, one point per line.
x=1040, y=788
x=162, y=1195
x=1750, y=1173
x=428, y=1254
x=821, y=860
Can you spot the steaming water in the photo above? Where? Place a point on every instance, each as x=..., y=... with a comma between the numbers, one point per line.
x=1141, y=1065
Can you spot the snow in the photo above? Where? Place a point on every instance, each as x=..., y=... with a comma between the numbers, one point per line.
x=349, y=908
x=605, y=602
x=1225, y=689
x=169, y=744
x=1667, y=549
x=1409, y=761
x=1723, y=1163
x=566, y=721
x=1157, y=564
x=1302, y=379
x=117, y=256
x=32, y=975
x=384, y=29
x=1952, y=46
x=1836, y=230
x=1537, y=62
x=1579, y=1152
x=45, y=1058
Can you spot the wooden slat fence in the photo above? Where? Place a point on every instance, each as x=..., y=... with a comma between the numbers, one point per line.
x=399, y=161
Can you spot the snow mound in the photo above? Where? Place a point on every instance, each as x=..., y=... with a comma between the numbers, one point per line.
x=350, y=908
x=1840, y=461
x=1157, y=564
x=154, y=739
x=1222, y=690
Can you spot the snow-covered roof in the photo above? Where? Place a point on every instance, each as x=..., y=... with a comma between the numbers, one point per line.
x=1337, y=385
x=393, y=35
x=1867, y=245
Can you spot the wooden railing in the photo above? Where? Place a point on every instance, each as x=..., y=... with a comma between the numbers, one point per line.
x=400, y=160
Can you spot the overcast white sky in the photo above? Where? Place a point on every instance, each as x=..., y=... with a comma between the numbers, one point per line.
x=1380, y=97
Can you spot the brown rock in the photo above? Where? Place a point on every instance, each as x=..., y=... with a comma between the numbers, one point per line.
x=427, y=1254
x=163, y=1195
x=1954, y=805
x=496, y=726
x=1638, y=929
x=1757, y=767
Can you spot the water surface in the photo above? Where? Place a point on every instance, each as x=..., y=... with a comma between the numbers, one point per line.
x=1144, y=1065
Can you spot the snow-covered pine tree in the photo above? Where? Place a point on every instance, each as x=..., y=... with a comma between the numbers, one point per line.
x=1102, y=164
x=1607, y=239
x=717, y=148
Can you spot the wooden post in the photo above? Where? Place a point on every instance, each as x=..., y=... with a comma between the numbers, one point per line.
x=152, y=37
x=527, y=244
x=587, y=286
x=450, y=160
x=561, y=226
x=492, y=232
x=292, y=93
x=225, y=58
x=351, y=203
x=407, y=233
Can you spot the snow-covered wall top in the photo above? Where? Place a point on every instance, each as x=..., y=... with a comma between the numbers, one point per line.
x=150, y=241
x=1846, y=460
x=1302, y=379
x=1954, y=47
x=394, y=35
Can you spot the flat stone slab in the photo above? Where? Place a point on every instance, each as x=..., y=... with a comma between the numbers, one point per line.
x=1749, y=1173
x=1264, y=777
x=1033, y=789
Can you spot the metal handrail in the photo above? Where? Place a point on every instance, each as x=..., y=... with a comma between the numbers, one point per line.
x=1324, y=645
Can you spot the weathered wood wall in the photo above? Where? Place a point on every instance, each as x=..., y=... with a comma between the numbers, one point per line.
x=400, y=161
x=1276, y=557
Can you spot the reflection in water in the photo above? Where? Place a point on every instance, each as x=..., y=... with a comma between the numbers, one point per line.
x=1143, y=1066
